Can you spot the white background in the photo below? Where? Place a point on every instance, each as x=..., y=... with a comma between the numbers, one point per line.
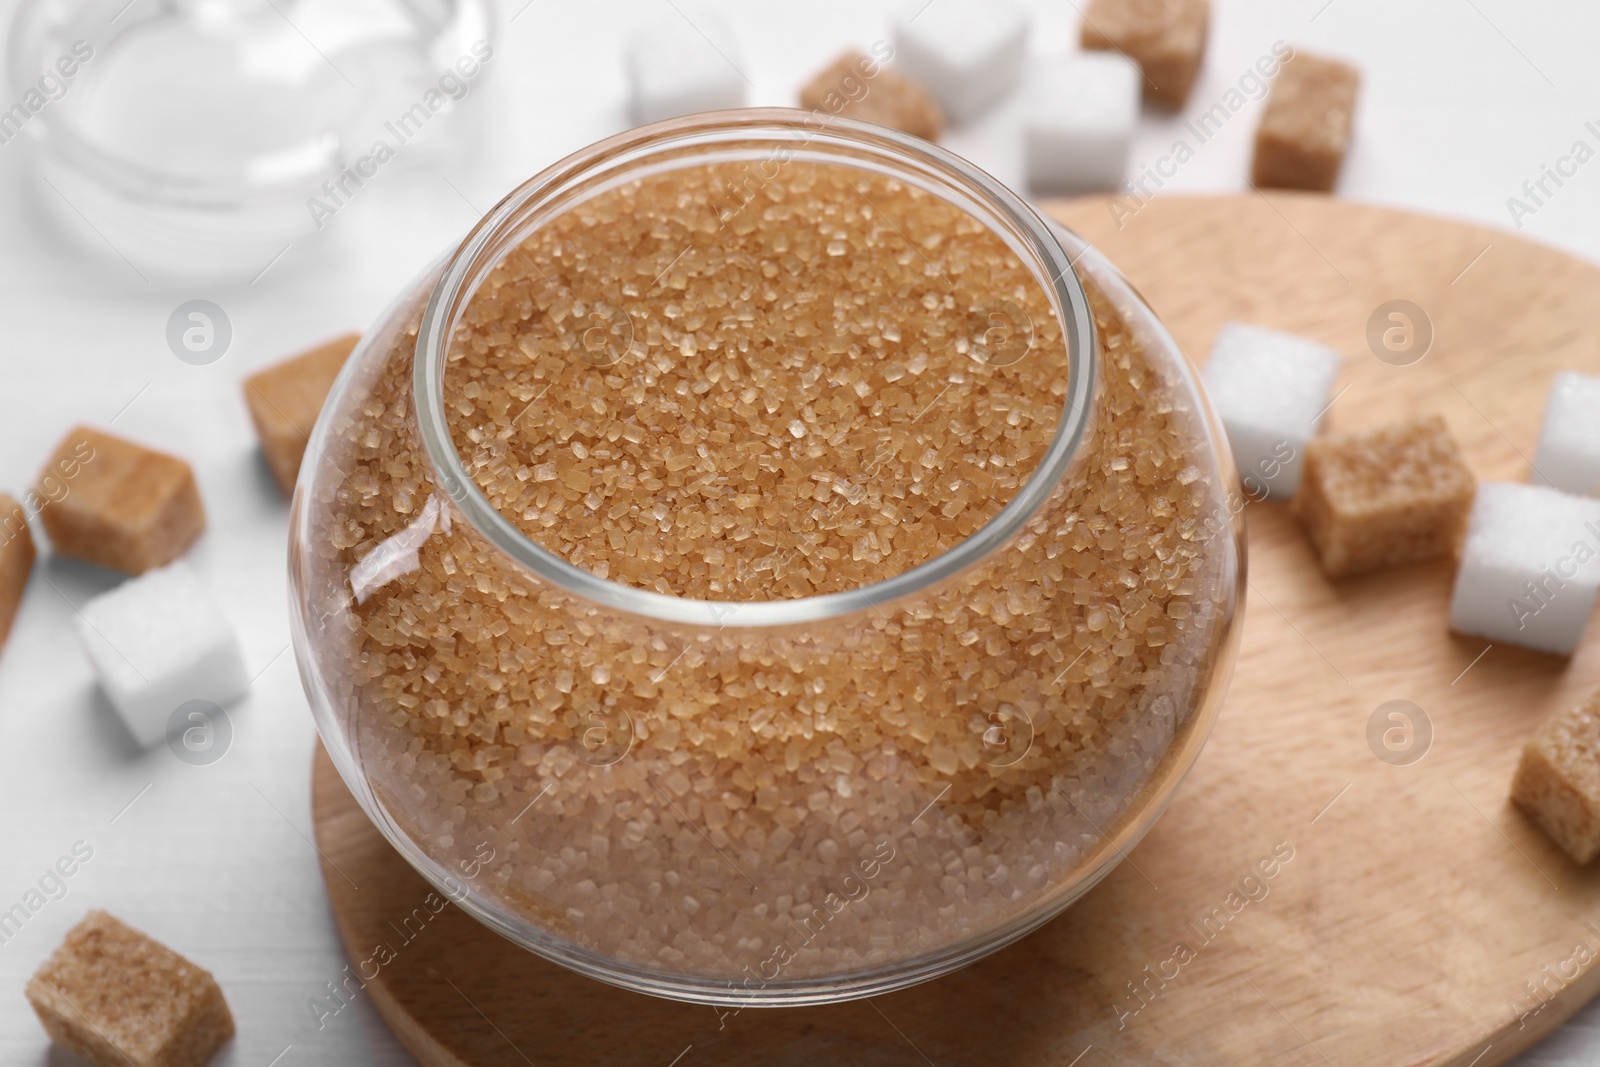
x=1463, y=101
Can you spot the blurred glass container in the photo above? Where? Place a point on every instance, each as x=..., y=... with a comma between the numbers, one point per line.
x=200, y=138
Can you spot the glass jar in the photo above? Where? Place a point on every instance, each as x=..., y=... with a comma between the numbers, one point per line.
x=769, y=801
x=139, y=167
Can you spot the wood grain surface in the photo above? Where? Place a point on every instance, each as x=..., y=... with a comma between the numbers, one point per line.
x=1419, y=920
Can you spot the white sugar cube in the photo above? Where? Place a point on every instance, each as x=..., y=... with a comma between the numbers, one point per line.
x=1082, y=112
x=156, y=642
x=1270, y=389
x=1569, y=440
x=967, y=53
x=678, y=67
x=1530, y=567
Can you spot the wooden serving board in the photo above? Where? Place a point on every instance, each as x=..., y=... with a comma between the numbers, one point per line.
x=1419, y=911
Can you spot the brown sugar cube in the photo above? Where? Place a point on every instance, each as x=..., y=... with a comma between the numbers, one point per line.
x=118, y=504
x=116, y=997
x=1167, y=38
x=1397, y=494
x=1305, y=129
x=1557, y=783
x=860, y=87
x=16, y=561
x=285, y=400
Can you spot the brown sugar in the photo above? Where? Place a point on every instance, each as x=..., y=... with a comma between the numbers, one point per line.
x=1557, y=783
x=859, y=87
x=16, y=561
x=118, y=998
x=801, y=397
x=806, y=407
x=1167, y=38
x=1383, y=497
x=124, y=506
x=285, y=400
x=1305, y=129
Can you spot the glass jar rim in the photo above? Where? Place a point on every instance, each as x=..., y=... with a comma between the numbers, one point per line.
x=481, y=250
